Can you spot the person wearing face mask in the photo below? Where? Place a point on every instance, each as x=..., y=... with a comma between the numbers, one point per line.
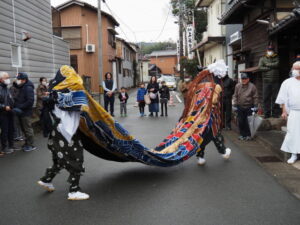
x=41, y=92
x=23, y=109
x=297, y=60
x=289, y=100
x=14, y=91
x=6, y=116
x=269, y=65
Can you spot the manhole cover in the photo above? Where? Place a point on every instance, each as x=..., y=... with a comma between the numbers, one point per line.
x=268, y=159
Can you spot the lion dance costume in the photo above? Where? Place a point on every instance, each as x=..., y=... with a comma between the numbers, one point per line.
x=94, y=130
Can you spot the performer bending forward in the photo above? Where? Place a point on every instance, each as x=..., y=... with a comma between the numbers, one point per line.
x=64, y=141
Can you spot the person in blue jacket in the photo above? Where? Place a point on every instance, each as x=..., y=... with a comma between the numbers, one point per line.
x=140, y=98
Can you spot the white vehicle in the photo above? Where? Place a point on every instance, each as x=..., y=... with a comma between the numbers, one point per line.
x=170, y=81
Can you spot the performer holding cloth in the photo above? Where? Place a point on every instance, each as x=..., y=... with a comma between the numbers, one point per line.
x=289, y=99
x=64, y=142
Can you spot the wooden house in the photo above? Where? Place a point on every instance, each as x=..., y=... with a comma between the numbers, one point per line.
x=265, y=22
x=78, y=24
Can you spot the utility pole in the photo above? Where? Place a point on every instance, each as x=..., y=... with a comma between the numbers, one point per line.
x=181, y=38
x=100, y=52
x=142, y=71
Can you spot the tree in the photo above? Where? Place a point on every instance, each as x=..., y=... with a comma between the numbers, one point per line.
x=190, y=66
x=199, y=15
x=147, y=48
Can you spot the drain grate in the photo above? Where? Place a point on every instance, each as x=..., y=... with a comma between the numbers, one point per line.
x=268, y=159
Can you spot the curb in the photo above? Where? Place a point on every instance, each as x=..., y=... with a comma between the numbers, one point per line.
x=275, y=149
x=267, y=144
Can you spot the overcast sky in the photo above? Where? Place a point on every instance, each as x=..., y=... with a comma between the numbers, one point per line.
x=140, y=20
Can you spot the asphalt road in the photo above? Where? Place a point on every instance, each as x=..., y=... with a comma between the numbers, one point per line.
x=234, y=192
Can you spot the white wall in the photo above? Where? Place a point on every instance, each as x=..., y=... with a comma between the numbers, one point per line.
x=215, y=11
x=214, y=53
x=230, y=61
x=144, y=75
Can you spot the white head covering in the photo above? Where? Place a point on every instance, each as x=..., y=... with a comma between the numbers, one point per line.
x=219, y=68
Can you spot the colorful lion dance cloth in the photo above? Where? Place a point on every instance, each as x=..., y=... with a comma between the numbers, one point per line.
x=104, y=137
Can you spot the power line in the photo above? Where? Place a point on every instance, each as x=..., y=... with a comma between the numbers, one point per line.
x=114, y=14
x=163, y=28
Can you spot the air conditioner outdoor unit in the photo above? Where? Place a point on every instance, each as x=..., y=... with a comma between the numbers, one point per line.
x=90, y=48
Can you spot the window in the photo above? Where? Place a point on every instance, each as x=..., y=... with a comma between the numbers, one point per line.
x=111, y=39
x=72, y=35
x=120, y=66
x=16, y=55
x=74, y=62
x=124, y=53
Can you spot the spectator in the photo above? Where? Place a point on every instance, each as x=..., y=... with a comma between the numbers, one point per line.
x=123, y=96
x=288, y=98
x=6, y=116
x=141, y=98
x=228, y=91
x=183, y=87
x=109, y=87
x=41, y=93
x=153, y=89
x=18, y=135
x=164, y=98
x=23, y=108
x=245, y=101
x=269, y=65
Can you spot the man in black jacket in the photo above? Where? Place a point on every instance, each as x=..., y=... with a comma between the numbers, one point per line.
x=228, y=87
x=23, y=108
x=6, y=116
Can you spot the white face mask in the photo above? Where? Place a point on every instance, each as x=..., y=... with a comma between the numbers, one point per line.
x=44, y=83
x=7, y=81
x=187, y=80
x=19, y=82
x=295, y=73
x=269, y=53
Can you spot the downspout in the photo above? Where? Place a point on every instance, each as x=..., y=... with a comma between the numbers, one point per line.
x=52, y=40
x=14, y=22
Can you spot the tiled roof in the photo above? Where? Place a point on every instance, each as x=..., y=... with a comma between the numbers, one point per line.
x=235, y=5
x=163, y=53
x=218, y=39
x=293, y=17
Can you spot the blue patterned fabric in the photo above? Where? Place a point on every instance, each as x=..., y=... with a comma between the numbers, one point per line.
x=71, y=99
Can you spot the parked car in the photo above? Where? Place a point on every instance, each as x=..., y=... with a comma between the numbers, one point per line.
x=170, y=81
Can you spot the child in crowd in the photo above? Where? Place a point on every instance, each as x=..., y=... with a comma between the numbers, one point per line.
x=123, y=96
x=142, y=91
x=164, y=98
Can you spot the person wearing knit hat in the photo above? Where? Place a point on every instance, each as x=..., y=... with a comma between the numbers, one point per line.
x=269, y=66
x=23, y=108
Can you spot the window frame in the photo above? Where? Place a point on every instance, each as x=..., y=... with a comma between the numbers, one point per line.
x=19, y=55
